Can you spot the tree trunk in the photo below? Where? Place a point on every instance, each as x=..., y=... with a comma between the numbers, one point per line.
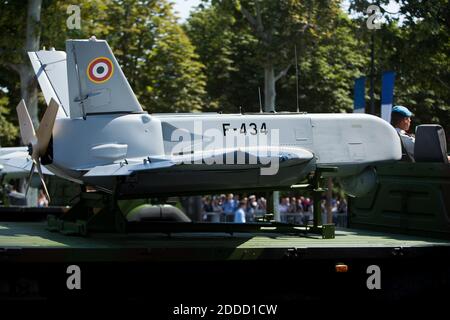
x=28, y=83
x=28, y=90
x=269, y=88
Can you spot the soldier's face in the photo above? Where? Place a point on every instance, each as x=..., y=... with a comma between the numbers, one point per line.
x=405, y=123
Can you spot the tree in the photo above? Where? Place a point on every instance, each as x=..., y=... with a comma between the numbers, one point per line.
x=154, y=52
x=415, y=44
x=424, y=54
x=328, y=66
x=329, y=56
x=226, y=47
x=8, y=131
x=17, y=59
x=279, y=26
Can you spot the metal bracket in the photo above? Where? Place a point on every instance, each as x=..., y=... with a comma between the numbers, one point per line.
x=94, y=212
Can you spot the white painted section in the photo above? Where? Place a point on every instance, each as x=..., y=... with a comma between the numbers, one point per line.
x=386, y=110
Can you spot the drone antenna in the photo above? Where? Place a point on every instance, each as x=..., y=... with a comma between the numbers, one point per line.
x=296, y=76
x=260, y=104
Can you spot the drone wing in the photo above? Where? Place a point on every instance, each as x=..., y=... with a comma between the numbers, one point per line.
x=204, y=160
x=15, y=163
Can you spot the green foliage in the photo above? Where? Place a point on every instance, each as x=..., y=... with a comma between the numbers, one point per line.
x=232, y=73
x=156, y=55
x=174, y=79
x=332, y=52
x=154, y=52
x=8, y=132
x=327, y=69
x=216, y=60
x=417, y=49
x=424, y=80
x=329, y=56
x=13, y=24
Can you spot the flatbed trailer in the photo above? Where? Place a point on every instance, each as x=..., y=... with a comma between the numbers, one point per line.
x=167, y=270
x=397, y=250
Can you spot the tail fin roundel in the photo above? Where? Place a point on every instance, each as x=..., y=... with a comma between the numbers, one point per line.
x=96, y=82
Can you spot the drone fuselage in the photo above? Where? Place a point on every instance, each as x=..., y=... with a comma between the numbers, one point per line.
x=348, y=142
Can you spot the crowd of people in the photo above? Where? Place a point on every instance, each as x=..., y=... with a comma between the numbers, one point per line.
x=242, y=209
x=233, y=208
x=9, y=195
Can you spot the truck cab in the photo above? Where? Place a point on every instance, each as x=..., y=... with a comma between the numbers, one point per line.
x=412, y=196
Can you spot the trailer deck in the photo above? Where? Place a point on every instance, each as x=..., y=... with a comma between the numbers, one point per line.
x=33, y=237
x=165, y=270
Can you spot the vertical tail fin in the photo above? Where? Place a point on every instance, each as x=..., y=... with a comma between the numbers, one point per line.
x=51, y=72
x=96, y=81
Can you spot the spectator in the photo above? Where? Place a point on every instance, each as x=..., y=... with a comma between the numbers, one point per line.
x=300, y=207
x=239, y=215
x=293, y=206
x=16, y=198
x=284, y=205
x=283, y=208
x=42, y=200
x=229, y=206
x=216, y=206
x=207, y=205
x=262, y=204
x=252, y=206
x=307, y=205
x=342, y=206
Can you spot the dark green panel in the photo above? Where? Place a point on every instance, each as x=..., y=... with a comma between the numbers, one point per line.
x=410, y=198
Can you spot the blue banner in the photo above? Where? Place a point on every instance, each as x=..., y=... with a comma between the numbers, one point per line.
x=387, y=87
x=359, y=102
x=387, y=94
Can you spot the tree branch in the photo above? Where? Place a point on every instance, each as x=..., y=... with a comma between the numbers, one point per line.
x=249, y=17
x=283, y=72
x=306, y=26
x=12, y=66
x=259, y=25
x=255, y=23
x=442, y=82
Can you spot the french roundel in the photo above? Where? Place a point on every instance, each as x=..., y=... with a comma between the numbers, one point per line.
x=100, y=70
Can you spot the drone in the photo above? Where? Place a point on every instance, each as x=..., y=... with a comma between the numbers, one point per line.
x=95, y=132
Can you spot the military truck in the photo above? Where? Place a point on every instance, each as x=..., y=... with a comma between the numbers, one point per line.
x=412, y=196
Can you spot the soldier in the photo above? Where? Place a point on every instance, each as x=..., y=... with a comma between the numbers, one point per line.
x=401, y=120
